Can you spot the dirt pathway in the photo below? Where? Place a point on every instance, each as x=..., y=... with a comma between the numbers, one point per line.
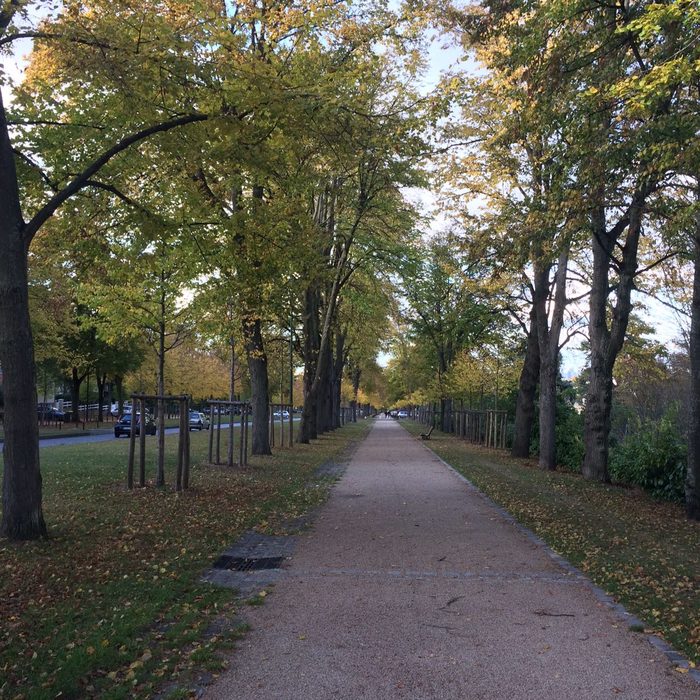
x=411, y=585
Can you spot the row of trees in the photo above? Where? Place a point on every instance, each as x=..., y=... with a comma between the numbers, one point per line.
x=226, y=169
x=572, y=183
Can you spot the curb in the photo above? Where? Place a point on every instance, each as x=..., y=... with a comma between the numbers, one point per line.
x=674, y=657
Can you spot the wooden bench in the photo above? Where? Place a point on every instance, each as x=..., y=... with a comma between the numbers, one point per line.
x=426, y=436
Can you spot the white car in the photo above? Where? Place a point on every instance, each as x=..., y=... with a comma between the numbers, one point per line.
x=402, y=414
x=281, y=414
x=198, y=421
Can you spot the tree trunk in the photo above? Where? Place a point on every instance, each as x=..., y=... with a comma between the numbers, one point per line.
x=356, y=376
x=22, y=515
x=445, y=415
x=338, y=366
x=527, y=387
x=101, y=380
x=257, y=367
x=307, y=425
x=324, y=415
x=548, y=333
x=160, y=391
x=692, y=481
x=606, y=342
x=119, y=383
x=231, y=395
x=76, y=381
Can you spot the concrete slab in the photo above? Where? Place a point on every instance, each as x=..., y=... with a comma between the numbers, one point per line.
x=411, y=585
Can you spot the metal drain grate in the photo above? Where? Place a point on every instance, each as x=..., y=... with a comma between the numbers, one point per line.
x=247, y=564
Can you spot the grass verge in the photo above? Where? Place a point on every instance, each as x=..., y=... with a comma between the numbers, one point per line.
x=111, y=605
x=642, y=552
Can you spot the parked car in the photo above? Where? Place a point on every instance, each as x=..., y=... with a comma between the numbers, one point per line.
x=281, y=414
x=123, y=425
x=114, y=408
x=54, y=414
x=198, y=421
x=402, y=414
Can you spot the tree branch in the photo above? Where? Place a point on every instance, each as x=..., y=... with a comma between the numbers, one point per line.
x=79, y=182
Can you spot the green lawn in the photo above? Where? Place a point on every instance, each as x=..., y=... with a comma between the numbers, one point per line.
x=111, y=604
x=643, y=552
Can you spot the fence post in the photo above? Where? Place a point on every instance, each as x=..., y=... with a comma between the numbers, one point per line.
x=142, y=441
x=211, y=431
x=186, y=465
x=184, y=427
x=132, y=450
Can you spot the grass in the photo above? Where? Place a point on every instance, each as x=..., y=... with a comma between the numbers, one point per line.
x=111, y=605
x=643, y=552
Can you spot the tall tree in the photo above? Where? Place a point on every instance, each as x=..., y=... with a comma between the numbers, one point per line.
x=140, y=109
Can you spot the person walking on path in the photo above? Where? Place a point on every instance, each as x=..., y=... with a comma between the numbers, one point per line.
x=412, y=585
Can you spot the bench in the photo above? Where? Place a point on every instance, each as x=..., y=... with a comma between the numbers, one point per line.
x=426, y=436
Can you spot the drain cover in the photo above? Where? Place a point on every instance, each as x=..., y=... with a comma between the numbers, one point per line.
x=247, y=563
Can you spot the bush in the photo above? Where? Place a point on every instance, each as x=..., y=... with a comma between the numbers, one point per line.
x=569, y=439
x=653, y=457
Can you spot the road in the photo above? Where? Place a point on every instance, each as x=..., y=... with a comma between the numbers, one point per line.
x=104, y=437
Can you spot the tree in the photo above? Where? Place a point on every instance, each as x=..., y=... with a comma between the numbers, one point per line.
x=93, y=39
x=447, y=313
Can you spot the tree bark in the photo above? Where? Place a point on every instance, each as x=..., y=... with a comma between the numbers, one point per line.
x=338, y=366
x=527, y=387
x=356, y=376
x=22, y=515
x=307, y=426
x=257, y=367
x=324, y=417
x=692, y=481
x=548, y=340
x=606, y=341
x=160, y=469
x=76, y=382
x=101, y=380
x=119, y=383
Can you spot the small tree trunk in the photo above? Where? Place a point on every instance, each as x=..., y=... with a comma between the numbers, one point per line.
x=257, y=368
x=307, y=424
x=527, y=387
x=119, y=384
x=692, y=482
x=356, y=376
x=160, y=406
x=231, y=395
x=76, y=381
x=101, y=379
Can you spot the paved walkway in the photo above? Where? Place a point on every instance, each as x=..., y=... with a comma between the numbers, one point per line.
x=411, y=585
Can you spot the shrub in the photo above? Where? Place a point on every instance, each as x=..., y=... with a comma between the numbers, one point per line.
x=653, y=457
x=569, y=439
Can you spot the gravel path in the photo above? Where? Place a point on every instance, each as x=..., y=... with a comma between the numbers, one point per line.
x=411, y=585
